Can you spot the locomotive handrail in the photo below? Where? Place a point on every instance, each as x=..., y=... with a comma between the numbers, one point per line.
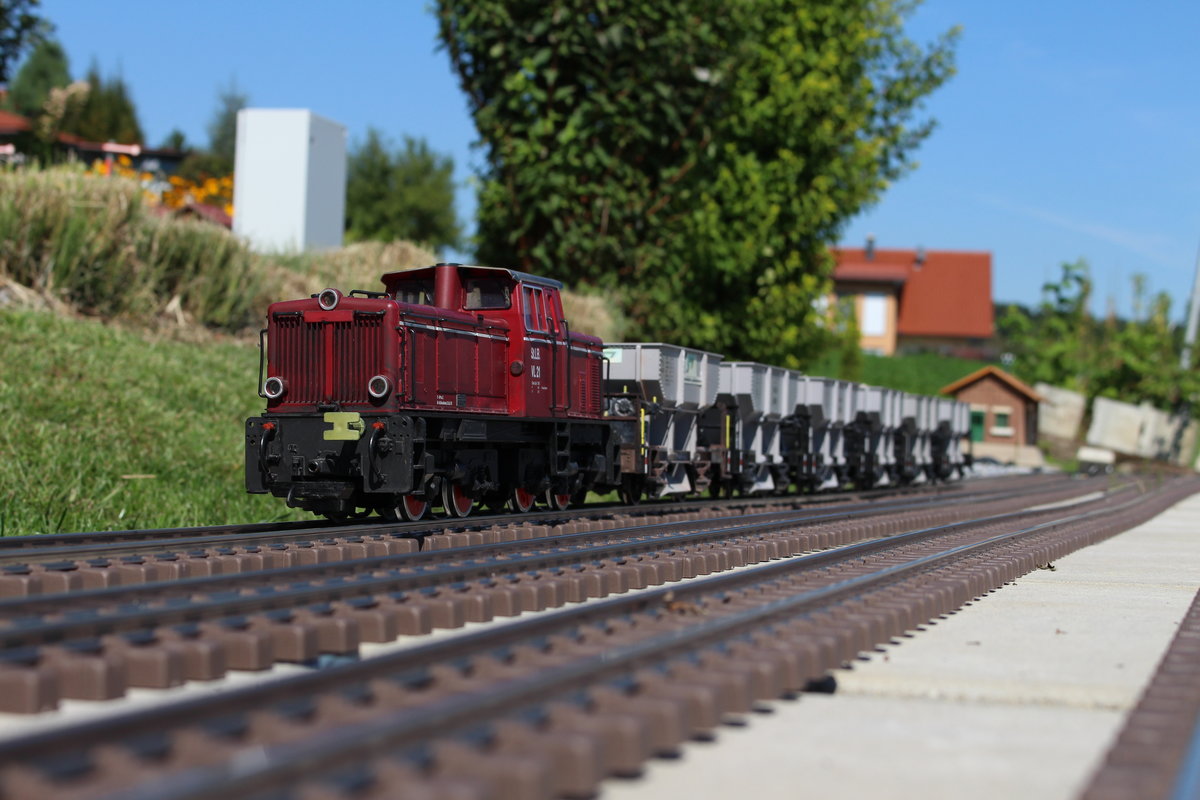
x=400, y=355
x=268, y=433
x=566, y=332
x=262, y=335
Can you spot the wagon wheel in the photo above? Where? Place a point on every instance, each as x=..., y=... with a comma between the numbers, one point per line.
x=558, y=501
x=521, y=501
x=630, y=492
x=354, y=513
x=496, y=502
x=456, y=500
x=407, y=507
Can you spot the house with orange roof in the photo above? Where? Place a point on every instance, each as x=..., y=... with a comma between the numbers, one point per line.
x=918, y=300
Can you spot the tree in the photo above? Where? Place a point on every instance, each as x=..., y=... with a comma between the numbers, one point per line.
x=1055, y=343
x=697, y=157
x=400, y=194
x=1135, y=360
x=175, y=140
x=19, y=28
x=45, y=69
x=218, y=160
x=222, y=130
x=1139, y=359
x=107, y=114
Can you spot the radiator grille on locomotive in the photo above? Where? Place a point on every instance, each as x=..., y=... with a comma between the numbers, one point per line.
x=327, y=362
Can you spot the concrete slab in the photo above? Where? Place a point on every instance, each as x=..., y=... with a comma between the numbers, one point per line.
x=1019, y=694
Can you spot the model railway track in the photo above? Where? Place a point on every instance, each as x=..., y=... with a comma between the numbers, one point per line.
x=550, y=705
x=1157, y=754
x=71, y=561
x=11, y=546
x=93, y=644
x=91, y=566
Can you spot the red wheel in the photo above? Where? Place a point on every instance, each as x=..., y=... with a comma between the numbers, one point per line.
x=556, y=501
x=521, y=501
x=456, y=500
x=407, y=507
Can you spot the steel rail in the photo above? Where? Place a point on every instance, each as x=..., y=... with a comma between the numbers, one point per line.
x=40, y=603
x=27, y=553
x=413, y=727
x=26, y=630
x=412, y=664
x=1187, y=782
x=45, y=540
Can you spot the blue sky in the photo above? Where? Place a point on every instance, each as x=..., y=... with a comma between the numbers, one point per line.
x=1071, y=130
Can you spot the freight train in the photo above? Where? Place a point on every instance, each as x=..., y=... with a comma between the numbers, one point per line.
x=459, y=386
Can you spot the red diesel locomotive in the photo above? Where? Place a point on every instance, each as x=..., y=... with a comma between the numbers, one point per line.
x=455, y=385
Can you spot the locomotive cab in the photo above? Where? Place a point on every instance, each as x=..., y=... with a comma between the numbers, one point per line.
x=523, y=360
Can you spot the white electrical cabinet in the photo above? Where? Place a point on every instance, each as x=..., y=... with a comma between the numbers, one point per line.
x=289, y=183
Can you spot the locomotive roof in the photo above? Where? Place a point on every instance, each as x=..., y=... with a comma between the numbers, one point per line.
x=523, y=277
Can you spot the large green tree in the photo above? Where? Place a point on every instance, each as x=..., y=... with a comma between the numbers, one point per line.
x=405, y=193
x=20, y=26
x=45, y=69
x=695, y=156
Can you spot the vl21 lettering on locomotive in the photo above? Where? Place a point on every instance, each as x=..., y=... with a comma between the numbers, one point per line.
x=458, y=385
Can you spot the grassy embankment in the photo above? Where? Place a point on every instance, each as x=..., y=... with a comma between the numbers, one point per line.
x=105, y=428
x=920, y=373
x=127, y=355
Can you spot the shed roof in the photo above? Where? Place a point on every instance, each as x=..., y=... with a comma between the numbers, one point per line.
x=1013, y=381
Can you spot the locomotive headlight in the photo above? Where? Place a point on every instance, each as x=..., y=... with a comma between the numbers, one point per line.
x=329, y=298
x=379, y=387
x=274, y=387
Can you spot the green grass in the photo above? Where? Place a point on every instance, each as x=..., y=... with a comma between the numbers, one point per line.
x=92, y=243
x=920, y=373
x=87, y=406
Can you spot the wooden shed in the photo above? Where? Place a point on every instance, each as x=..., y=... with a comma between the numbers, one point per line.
x=1004, y=415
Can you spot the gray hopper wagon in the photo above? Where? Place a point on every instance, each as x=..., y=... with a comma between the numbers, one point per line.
x=658, y=391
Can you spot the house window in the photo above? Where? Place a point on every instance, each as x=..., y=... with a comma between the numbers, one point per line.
x=1002, y=421
x=874, y=317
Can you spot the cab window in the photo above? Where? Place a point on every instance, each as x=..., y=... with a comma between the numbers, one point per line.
x=487, y=293
x=531, y=300
x=551, y=322
x=419, y=293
